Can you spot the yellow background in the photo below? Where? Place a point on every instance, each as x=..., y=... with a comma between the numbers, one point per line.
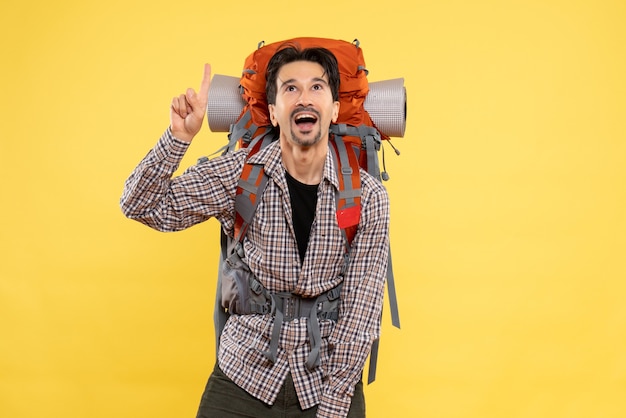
x=508, y=203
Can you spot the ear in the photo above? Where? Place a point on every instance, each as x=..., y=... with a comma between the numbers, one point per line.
x=335, y=113
x=273, y=119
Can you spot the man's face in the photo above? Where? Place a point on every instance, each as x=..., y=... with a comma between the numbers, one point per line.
x=304, y=107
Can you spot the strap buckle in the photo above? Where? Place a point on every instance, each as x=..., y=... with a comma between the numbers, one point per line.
x=289, y=305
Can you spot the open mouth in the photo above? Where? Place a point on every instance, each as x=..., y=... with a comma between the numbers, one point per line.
x=305, y=120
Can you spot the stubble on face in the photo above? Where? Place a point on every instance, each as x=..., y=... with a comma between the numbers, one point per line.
x=296, y=135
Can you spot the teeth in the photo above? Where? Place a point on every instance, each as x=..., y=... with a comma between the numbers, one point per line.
x=305, y=115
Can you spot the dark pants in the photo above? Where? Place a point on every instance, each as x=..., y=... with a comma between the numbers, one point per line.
x=222, y=398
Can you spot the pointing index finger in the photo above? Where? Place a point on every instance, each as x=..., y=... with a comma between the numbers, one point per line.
x=206, y=82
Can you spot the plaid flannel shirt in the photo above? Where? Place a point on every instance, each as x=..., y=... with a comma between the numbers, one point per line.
x=207, y=190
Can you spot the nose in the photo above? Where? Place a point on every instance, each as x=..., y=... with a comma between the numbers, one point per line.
x=304, y=99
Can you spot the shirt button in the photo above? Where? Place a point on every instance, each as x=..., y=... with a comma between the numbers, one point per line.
x=295, y=321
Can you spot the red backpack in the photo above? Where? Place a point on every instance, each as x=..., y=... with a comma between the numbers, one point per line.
x=355, y=143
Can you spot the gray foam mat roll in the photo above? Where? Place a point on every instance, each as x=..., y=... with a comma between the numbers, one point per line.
x=385, y=103
x=225, y=102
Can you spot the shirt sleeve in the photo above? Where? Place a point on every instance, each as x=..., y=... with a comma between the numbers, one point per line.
x=361, y=304
x=153, y=197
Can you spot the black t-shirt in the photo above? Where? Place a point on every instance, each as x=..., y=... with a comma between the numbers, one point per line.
x=303, y=202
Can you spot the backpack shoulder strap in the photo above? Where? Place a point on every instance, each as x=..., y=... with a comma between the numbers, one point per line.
x=250, y=188
x=349, y=203
x=349, y=193
x=349, y=212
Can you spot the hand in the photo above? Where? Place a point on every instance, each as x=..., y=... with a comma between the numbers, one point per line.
x=187, y=110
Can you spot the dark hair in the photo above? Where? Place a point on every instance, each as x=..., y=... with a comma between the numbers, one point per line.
x=291, y=53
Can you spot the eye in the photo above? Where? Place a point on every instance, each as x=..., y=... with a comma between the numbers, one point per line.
x=318, y=87
x=290, y=88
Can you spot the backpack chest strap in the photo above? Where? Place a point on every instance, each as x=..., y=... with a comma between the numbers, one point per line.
x=288, y=306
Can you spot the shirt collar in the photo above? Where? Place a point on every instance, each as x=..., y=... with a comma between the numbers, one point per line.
x=270, y=158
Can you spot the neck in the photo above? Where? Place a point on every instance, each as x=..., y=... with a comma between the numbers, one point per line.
x=305, y=164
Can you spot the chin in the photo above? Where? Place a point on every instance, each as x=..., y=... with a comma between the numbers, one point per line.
x=308, y=141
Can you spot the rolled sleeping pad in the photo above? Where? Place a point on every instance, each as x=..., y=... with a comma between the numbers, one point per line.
x=385, y=103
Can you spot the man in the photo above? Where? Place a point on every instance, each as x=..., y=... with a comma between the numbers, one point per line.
x=293, y=244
